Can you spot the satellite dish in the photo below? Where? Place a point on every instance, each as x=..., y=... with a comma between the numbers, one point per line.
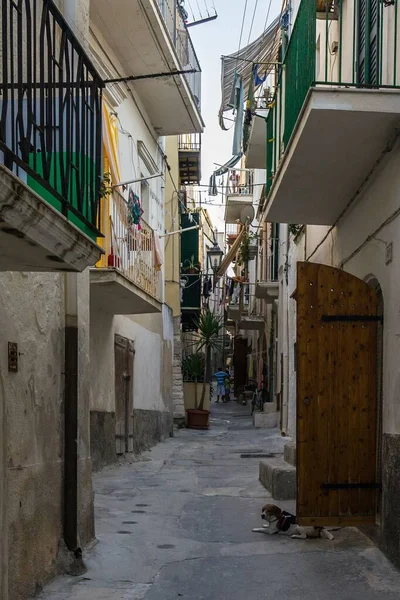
x=247, y=214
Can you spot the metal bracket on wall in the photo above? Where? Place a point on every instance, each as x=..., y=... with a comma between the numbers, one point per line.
x=12, y=357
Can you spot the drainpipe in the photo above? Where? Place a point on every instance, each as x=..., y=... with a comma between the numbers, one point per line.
x=3, y=496
x=71, y=415
x=286, y=336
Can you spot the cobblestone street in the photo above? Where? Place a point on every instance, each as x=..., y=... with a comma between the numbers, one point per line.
x=178, y=524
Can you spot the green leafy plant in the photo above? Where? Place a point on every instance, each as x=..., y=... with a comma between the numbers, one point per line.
x=193, y=370
x=209, y=327
x=105, y=186
x=244, y=250
x=189, y=266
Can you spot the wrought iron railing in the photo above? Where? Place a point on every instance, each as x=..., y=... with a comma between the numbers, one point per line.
x=50, y=110
x=189, y=142
x=240, y=182
x=173, y=16
x=273, y=259
x=333, y=44
x=132, y=249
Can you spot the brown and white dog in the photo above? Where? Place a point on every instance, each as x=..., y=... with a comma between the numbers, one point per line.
x=281, y=521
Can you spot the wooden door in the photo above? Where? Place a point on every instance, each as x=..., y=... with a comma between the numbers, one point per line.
x=337, y=318
x=124, y=353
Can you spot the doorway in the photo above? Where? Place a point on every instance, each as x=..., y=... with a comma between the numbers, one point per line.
x=124, y=356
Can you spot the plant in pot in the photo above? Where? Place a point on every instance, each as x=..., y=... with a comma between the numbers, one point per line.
x=208, y=332
x=192, y=373
x=189, y=266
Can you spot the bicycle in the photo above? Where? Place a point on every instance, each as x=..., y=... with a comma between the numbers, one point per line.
x=258, y=400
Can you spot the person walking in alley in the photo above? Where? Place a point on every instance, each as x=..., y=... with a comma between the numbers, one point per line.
x=227, y=383
x=220, y=376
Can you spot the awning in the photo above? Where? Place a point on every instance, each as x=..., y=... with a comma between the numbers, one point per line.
x=231, y=254
x=263, y=51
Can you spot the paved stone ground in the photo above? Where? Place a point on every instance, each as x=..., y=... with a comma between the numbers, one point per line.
x=177, y=524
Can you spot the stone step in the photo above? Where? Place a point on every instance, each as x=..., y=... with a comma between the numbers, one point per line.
x=289, y=453
x=278, y=477
x=265, y=420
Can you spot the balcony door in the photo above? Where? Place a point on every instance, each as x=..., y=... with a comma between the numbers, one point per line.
x=368, y=43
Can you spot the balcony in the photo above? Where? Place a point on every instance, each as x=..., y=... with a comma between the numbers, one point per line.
x=239, y=194
x=128, y=280
x=256, y=155
x=50, y=143
x=150, y=37
x=268, y=289
x=189, y=148
x=329, y=127
x=252, y=323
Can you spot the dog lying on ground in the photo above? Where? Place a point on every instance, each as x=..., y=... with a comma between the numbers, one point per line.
x=280, y=521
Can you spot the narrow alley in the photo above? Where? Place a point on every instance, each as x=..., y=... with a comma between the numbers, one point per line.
x=177, y=524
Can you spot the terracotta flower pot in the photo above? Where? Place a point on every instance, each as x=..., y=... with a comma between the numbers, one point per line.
x=198, y=419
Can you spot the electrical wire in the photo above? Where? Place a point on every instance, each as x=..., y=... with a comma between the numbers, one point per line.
x=252, y=22
x=242, y=27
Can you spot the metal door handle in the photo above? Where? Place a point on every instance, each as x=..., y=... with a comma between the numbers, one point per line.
x=307, y=401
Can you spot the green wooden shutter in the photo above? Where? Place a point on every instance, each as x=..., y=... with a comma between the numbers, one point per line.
x=368, y=42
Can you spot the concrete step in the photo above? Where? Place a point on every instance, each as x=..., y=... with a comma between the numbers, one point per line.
x=269, y=407
x=279, y=478
x=289, y=453
x=265, y=420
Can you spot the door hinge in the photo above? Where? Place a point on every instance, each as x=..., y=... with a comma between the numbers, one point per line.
x=351, y=318
x=351, y=486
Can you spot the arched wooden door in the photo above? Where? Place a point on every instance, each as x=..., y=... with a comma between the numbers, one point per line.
x=337, y=318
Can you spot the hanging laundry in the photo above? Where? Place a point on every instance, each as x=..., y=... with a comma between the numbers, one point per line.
x=239, y=109
x=135, y=210
x=257, y=79
x=207, y=287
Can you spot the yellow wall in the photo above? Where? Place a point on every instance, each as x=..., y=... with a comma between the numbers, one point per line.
x=172, y=223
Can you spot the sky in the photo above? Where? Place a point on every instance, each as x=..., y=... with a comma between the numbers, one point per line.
x=211, y=41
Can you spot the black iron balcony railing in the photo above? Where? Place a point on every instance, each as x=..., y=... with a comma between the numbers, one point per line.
x=50, y=110
x=172, y=14
x=189, y=142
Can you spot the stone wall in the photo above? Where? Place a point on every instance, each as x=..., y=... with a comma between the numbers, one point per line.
x=31, y=486
x=177, y=390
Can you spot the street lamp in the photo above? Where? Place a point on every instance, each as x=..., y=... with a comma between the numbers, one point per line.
x=214, y=259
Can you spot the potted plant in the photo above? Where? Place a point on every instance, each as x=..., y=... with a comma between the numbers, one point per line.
x=192, y=373
x=248, y=248
x=208, y=331
x=189, y=266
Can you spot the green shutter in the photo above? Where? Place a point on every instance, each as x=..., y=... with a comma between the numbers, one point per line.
x=368, y=42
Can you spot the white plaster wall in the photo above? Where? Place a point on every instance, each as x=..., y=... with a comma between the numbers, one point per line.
x=149, y=333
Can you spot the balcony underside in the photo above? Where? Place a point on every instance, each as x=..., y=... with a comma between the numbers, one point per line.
x=115, y=294
x=252, y=323
x=256, y=155
x=234, y=312
x=140, y=40
x=189, y=167
x=338, y=138
x=235, y=204
x=267, y=290
x=34, y=236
